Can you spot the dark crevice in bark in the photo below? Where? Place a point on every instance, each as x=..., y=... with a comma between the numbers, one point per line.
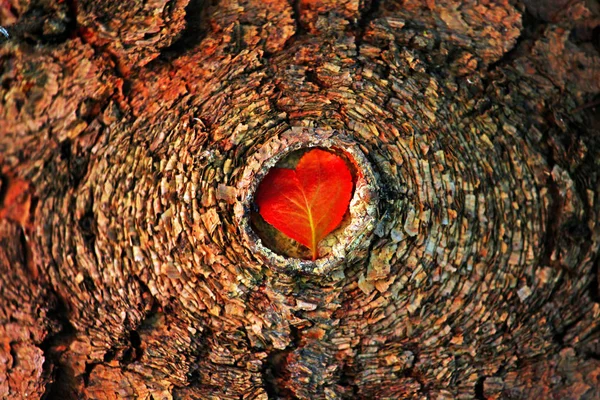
x=13, y=354
x=3, y=186
x=132, y=351
x=44, y=25
x=193, y=376
x=312, y=77
x=595, y=283
x=61, y=386
x=531, y=31
x=559, y=336
x=554, y=214
x=479, y=393
x=274, y=368
x=111, y=60
x=584, y=175
x=27, y=257
x=574, y=231
x=370, y=11
x=194, y=32
x=414, y=373
x=126, y=351
x=596, y=38
x=346, y=380
x=365, y=19
x=136, y=345
x=592, y=106
x=88, y=229
x=551, y=231
x=300, y=30
x=89, y=368
x=73, y=7
x=77, y=165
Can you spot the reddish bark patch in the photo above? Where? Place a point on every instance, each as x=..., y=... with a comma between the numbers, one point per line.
x=15, y=199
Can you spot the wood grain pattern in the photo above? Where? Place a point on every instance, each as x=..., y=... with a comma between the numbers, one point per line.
x=131, y=125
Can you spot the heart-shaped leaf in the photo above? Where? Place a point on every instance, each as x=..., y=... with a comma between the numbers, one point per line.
x=309, y=202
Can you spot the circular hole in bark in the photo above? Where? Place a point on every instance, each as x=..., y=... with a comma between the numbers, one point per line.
x=277, y=241
x=348, y=241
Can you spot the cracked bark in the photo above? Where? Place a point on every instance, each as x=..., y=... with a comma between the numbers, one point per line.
x=125, y=131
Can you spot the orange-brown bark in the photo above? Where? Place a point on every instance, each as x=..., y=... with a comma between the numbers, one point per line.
x=132, y=136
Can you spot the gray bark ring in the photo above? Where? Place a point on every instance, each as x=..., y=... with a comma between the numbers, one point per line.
x=351, y=240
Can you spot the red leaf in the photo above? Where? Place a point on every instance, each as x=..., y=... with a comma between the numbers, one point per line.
x=307, y=203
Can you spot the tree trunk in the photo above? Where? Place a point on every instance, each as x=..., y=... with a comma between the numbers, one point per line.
x=133, y=135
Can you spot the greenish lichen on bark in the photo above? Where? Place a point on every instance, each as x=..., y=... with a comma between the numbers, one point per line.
x=132, y=277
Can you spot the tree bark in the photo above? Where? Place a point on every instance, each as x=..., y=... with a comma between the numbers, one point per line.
x=133, y=133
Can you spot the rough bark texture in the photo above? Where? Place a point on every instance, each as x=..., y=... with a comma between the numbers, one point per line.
x=126, y=129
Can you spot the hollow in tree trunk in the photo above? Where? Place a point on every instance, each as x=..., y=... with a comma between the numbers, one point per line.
x=133, y=261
